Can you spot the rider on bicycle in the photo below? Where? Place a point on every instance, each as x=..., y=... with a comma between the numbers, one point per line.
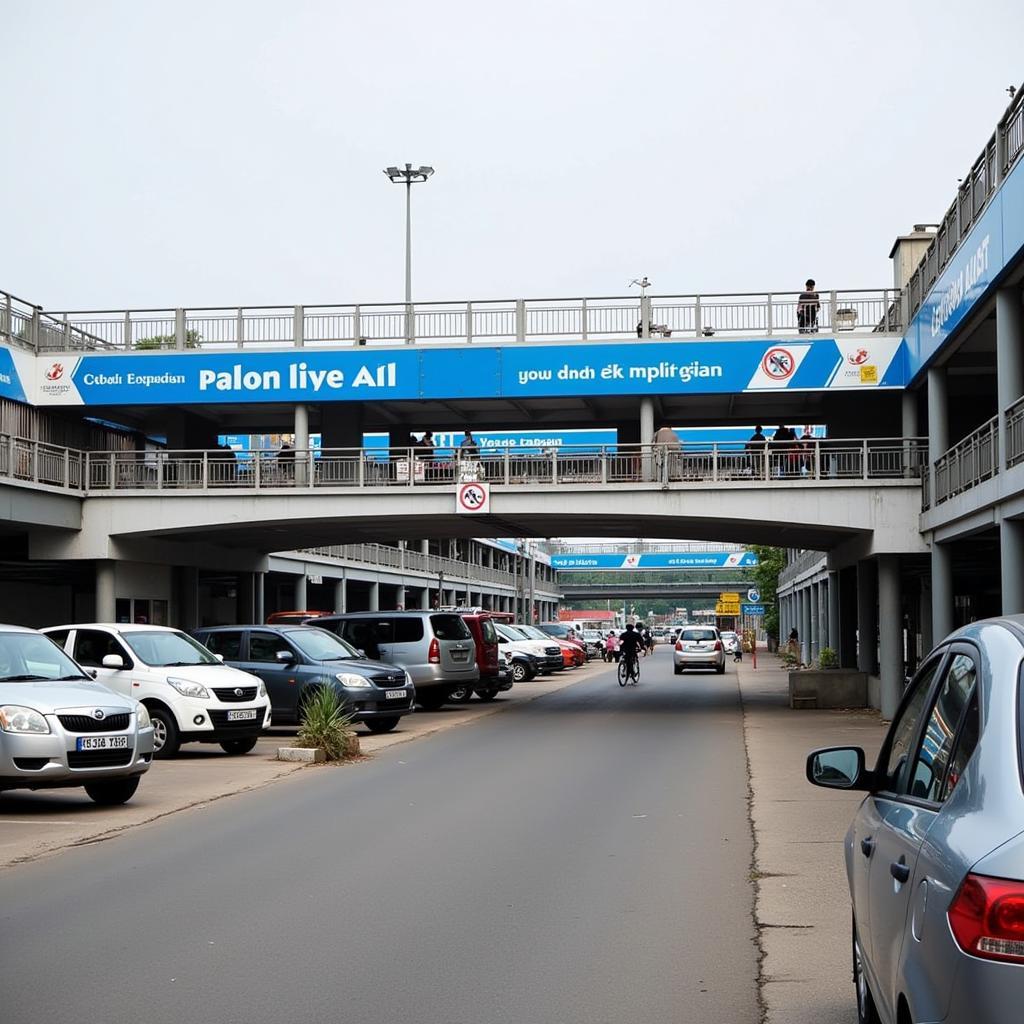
x=630, y=644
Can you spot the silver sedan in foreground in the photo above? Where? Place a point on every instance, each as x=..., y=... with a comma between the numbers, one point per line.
x=935, y=854
x=60, y=728
x=698, y=647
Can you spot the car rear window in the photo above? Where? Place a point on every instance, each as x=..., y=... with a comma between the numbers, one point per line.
x=488, y=632
x=698, y=634
x=448, y=627
x=409, y=631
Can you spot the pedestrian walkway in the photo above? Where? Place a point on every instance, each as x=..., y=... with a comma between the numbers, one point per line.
x=802, y=907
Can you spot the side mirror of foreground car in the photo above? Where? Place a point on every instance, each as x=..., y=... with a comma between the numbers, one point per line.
x=838, y=768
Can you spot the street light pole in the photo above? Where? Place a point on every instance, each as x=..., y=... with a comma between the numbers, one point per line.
x=408, y=175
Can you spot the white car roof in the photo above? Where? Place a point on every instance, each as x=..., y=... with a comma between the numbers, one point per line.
x=115, y=627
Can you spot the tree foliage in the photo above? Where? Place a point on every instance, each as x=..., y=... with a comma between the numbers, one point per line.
x=771, y=561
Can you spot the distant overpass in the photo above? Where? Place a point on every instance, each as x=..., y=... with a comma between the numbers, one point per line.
x=620, y=591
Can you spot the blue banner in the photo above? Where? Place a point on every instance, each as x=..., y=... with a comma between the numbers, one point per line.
x=654, y=560
x=10, y=381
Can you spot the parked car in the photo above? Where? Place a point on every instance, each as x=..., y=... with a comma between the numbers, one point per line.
x=660, y=634
x=280, y=618
x=547, y=652
x=935, y=853
x=523, y=666
x=698, y=647
x=560, y=631
x=295, y=662
x=594, y=642
x=573, y=653
x=730, y=641
x=60, y=728
x=190, y=695
x=435, y=648
x=495, y=674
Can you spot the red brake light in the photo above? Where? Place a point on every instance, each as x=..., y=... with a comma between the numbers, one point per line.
x=679, y=645
x=987, y=918
x=718, y=645
x=434, y=653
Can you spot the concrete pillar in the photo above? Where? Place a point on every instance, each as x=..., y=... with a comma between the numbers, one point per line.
x=814, y=636
x=189, y=618
x=301, y=431
x=1011, y=565
x=340, y=595
x=942, y=591
x=938, y=414
x=400, y=596
x=647, y=435
x=909, y=418
x=835, y=639
x=805, y=625
x=925, y=615
x=106, y=593
x=374, y=603
x=300, y=593
x=246, y=601
x=867, y=624
x=259, y=606
x=425, y=598
x=1009, y=360
x=424, y=547
x=890, y=622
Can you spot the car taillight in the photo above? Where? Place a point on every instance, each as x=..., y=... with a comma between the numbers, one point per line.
x=434, y=654
x=718, y=645
x=987, y=918
x=679, y=645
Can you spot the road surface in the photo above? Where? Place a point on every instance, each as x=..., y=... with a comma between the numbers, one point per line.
x=582, y=858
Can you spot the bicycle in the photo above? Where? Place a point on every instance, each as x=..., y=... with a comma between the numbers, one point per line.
x=629, y=669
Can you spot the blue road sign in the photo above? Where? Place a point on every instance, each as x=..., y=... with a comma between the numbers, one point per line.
x=752, y=609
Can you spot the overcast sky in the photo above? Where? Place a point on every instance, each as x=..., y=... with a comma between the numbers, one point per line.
x=217, y=153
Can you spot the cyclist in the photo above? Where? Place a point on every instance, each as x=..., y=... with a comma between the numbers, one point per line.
x=630, y=645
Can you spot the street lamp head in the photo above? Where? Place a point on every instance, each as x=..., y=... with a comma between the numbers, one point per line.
x=426, y=172
x=393, y=173
x=408, y=173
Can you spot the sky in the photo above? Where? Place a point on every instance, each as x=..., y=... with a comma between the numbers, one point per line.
x=164, y=154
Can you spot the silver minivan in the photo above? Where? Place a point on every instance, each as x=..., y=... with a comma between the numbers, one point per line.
x=435, y=648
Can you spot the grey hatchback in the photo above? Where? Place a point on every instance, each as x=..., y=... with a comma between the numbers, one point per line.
x=935, y=854
x=293, y=661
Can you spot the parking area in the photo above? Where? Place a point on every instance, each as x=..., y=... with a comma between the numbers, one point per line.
x=36, y=824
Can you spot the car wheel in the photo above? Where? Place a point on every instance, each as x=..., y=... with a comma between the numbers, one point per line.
x=166, y=738
x=461, y=696
x=677, y=669
x=720, y=669
x=432, y=700
x=378, y=725
x=518, y=672
x=867, y=1012
x=236, y=747
x=112, y=791
x=487, y=695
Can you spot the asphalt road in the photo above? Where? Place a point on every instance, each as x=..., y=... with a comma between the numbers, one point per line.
x=581, y=858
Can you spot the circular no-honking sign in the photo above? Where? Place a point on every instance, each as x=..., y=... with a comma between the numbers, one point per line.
x=472, y=497
x=778, y=363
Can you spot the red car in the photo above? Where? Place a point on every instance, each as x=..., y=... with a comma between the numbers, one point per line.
x=574, y=654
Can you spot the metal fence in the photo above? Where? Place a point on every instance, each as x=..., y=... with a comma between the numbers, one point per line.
x=1015, y=433
x=491, y=321
x=966, y=464
x=1001, y=152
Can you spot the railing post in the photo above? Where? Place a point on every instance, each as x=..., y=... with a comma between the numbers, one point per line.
x=34, y=328
x=111, y=469
x=832, y=306
x=239, y=329
x=520, y=319
x=361, y=468
x=507, y=467
x=469, y=322
x=767, y=462
x=298, y=328
x=770, y=312
x=127, y=331
x=864, y=459
x=67, y=334
x=554, y=466
x=604, y=465
x=179, y=329
x=583, y=319
x=714, y=462
x=409, y=317
x=645, y=316
x=35, y=462
x=160, y=463
x=817, y=460
x=357, y=329
x=698, y=327
x=666, y=454
x=5, y=326
x=206, y=471
x=67, y=467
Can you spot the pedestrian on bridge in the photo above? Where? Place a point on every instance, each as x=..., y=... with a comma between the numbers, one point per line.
x=807, y=308
x=756, y=447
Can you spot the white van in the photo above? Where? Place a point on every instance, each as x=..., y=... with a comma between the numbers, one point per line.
x=191, y=696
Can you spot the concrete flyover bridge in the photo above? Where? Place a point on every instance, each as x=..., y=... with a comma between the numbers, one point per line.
x=827, y=495
x=649, y=588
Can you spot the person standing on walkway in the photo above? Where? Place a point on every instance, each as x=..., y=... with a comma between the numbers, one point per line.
x=756, y=447
x=807, y=308
x=669, y=447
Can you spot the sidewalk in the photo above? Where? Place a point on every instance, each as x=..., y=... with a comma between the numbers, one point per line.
x=802, y=908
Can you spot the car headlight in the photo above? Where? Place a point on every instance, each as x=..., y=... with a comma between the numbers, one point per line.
x=14, y=718
x=143, y=717
x=408, y=678
x=189, y=689
x=353, y=682
x=263, y=688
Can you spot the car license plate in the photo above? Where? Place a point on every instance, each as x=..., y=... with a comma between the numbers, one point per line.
x=460, y=655
x=102, y=743
x=395, y=694
x=242, y=715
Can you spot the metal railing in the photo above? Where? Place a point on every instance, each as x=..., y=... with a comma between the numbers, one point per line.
x=40, y=463
x=965, y=465
x=1015, y=433
x=1001, y=152
x=642, y=547
x=763, y=463
x=489, y=321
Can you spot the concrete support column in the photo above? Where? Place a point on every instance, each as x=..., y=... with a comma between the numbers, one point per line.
x=909, y=418
x=400, y=597
x=259, y=605
x=814, y=636
x=301, y=443
x=425, y=598
x=805, y=625
x=890, y=622
x=1009, y=360
x=647, y=435
x=106, y=594
x=938, y=414
x=424, y=547
x=300, y=593
x=189, y=597
x=835, y=640
x=246, y=601
x=942, y=591
x=867, y=623
x=1011, y=565
x=340, y=595
x=374, y=603
x=925, y=615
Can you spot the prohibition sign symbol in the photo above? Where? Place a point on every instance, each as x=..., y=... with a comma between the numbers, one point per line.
x=472, y=497
x=778, y=363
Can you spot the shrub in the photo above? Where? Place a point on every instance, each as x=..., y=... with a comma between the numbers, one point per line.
x=828, y=658
x=789, y=658
x=325, y=724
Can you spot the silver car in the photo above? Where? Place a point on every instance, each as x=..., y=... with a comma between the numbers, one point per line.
x=60, y=728
x=698, y=647
x=935, y=854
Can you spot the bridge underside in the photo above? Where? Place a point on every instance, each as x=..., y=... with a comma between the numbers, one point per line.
x=612, y=591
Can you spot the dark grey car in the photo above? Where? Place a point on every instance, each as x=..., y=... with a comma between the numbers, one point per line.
x=935, y=854
x=293, y=661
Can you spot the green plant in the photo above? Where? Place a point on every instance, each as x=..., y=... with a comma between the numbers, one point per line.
x=789, y=658
x=325, y=724
x=192, y=339
x=828, y=658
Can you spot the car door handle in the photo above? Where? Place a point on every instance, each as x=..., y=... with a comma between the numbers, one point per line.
x=867, y=846
x=900, y=870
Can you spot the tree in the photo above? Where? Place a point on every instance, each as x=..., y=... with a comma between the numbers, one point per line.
x=771, y=561
x=192, y=339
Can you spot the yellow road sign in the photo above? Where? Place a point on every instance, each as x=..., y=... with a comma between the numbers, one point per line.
x=727, y=598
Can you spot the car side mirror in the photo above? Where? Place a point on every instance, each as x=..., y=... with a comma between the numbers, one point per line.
x=838, y=768
x=219, y=657
x=360, y=652
x=285, y=657
x=113, y=661
x=91, y=673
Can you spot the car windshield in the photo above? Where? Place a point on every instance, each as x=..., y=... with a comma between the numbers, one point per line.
x=514, y=633
x=699, y=634
x=533, y=632
x=29, y=657
x=556, y=630
x=169, y=649
x=319, y=645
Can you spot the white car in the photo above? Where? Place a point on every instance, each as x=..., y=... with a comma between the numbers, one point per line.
x=730, y=641
x=191, y=696
x=548, y=655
